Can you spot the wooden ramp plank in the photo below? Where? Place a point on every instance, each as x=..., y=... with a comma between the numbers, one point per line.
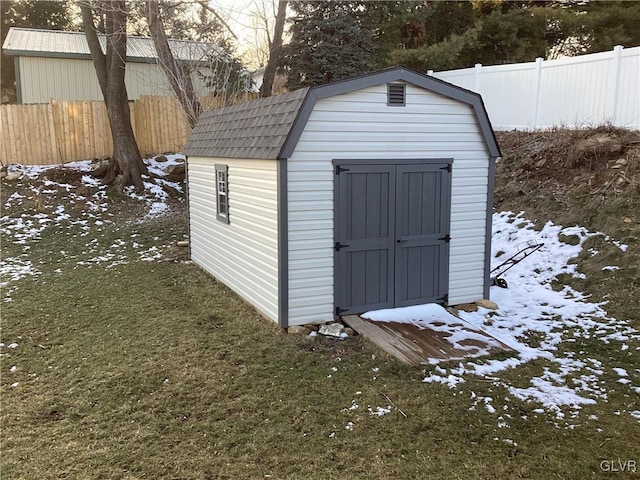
x=415, y=346
x=390, y=343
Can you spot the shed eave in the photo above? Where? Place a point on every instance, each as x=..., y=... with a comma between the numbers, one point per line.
x=385, y=76
x=70, y=55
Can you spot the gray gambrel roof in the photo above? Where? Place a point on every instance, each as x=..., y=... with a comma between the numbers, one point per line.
x=256, y=129
x=34, y=42
x=269, y=128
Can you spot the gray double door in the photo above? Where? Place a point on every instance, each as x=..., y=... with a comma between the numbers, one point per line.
x=391, y=234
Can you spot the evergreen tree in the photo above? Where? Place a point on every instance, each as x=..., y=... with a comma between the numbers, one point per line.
x=328, y=42
x=442, y=35
x=605, y=24
x=460, y=34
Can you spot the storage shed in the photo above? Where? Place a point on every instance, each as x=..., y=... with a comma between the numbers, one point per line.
x=57, y=64
x=362, y=194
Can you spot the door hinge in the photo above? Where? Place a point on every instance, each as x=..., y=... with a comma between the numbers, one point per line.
x=339, y=245
x=443, y=300
x=340, y=169
x=446, y=167
x=339, y=311
x=446, y=238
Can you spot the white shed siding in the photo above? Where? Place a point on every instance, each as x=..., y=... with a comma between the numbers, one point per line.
x=360, y=125
x=244, y=253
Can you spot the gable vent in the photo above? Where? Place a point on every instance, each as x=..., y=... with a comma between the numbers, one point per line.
x=396, y=94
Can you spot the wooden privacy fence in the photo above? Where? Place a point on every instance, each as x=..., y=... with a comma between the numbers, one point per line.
x=66, y=131
x=28, y=135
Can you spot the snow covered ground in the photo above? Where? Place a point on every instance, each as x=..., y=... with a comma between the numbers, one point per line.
x=57, y=198
x=536, y=321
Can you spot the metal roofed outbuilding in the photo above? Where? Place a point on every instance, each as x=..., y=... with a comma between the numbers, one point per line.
x=367, y=193
x=57, y=64
x=35, y=42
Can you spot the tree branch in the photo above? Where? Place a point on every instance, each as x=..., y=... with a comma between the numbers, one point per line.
x=117, y=39
x=99, y=58
x=206, y=6
x=178, y=76
x=275, y=48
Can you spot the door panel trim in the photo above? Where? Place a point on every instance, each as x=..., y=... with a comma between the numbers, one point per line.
x=341, y=277
x=391, y=161
x=441, y=216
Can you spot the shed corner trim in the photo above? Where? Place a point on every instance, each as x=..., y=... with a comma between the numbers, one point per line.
x=299, y=124
x=489, y=227
x=283, y=246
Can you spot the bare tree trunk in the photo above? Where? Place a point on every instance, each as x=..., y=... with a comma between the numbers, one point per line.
x=178, y=74
x=274, y=51
x=127, y=166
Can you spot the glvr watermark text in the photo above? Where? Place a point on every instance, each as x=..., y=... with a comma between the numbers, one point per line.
x=615, y=466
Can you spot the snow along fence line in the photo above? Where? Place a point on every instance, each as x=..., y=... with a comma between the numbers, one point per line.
x=587, y=90
x=69, y=131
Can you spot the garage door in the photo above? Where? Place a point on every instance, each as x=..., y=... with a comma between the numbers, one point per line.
x=391, y=234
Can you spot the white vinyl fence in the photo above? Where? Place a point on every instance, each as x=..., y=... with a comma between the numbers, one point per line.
x=573, y=92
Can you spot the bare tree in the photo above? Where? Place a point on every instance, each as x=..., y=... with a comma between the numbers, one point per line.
x=211, y=71
x=126, y=167
x=178, y=73
x=275, y=47
x=206, y=7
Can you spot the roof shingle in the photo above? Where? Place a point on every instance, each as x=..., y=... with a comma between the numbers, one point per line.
x=256, y=129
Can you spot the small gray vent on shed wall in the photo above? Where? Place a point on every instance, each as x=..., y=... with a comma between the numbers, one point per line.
x=396, y=94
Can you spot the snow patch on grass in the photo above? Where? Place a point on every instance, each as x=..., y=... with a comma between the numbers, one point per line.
x=536, y=317
x=379, y=411
x=59, y=206
x=15, y=268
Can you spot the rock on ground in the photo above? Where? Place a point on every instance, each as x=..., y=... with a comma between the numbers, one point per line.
x=298, y=330
x=332, y=329
x=485, y=303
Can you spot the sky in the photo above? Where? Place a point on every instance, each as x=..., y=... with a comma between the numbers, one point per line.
x=244, y=19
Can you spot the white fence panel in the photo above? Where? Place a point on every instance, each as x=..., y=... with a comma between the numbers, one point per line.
x=628, y=101
x=576, y=92
x=573, y=92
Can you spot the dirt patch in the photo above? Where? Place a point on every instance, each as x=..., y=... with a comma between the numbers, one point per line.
x=52, y=415
x=591, y=177
x=587, y=177
x=176, y=254
x=62, y=174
